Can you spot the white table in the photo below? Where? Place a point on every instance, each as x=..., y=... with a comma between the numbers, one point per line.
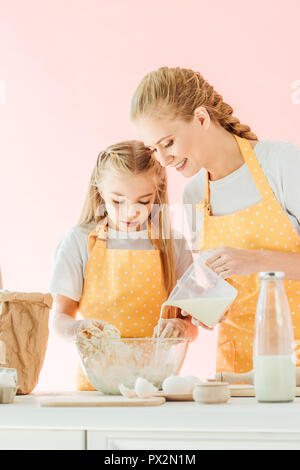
x=242, y=423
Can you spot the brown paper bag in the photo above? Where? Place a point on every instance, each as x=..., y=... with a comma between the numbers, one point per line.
x=24, y=331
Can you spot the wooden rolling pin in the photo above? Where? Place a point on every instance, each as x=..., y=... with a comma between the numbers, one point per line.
x=248, y=377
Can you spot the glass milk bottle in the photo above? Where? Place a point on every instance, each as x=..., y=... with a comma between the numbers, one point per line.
x=274, y=362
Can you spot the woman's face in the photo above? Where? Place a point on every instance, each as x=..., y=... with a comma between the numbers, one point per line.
x=177, y=143
x=128, y=200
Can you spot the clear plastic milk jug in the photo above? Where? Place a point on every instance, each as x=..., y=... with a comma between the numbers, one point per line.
x=273, y=353
x=202, y=293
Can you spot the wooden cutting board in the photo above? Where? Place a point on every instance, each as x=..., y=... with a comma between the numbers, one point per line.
x=242, y=390
x=245, y=390
x=236, y=390
x=105, y=400
x=175, y=397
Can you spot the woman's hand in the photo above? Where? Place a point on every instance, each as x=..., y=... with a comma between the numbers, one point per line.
x=228, y=262
x=174, y=328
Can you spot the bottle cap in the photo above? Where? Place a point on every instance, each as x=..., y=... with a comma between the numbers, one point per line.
x=271, y=275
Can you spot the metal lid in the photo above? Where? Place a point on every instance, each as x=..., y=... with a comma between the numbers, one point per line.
x=271, y=275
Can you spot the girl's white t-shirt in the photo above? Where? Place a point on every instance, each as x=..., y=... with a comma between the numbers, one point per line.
x=72, y=254
x=280, y=162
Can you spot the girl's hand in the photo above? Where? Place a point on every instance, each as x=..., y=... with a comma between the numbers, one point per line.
x=198, y=323
x=84, y=324
x=172, y=328
x=194, y=321
x=65, y=323
x=228, y=262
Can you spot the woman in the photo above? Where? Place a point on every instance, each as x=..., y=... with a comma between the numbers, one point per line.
x=245, y=189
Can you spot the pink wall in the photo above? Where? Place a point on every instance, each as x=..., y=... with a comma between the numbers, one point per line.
x=68, y=69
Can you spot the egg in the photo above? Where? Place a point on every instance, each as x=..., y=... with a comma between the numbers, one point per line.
x=192, y=380
x=176, y=385
x=127, y=392
x=144, y=389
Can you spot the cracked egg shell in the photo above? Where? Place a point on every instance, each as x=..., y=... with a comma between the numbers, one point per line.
x=144, y=389
x=127, y=392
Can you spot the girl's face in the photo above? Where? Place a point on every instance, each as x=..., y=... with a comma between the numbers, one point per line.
x=128, y=200
x=185, y=146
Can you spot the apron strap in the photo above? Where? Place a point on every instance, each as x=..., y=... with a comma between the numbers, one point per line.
x=256, y=172
x=99, y=235
x=204, y=205
x=255, y=169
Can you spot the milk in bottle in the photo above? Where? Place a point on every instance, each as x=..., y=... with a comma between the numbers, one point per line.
x=273, y=354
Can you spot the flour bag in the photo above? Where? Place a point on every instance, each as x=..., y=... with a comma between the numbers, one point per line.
x=24, y=335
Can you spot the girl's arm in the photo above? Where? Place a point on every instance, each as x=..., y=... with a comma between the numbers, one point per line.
x=191, y=330
x=180, y=327
x=65, y=323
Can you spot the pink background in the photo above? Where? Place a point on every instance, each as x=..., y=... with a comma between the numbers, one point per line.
x=69, y=69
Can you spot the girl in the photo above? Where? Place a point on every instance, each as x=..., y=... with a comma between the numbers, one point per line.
x=121, y=262
x=245, y=190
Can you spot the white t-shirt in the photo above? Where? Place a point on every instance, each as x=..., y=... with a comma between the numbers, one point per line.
x=280, y=162
x=72, y=254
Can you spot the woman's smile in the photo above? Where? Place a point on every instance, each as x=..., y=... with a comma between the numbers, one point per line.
x=181, y=165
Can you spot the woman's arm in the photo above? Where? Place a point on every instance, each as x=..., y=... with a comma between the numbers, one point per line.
x=228, y=262
x=289, y=263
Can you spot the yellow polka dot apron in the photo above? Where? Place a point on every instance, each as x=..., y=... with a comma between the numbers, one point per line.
x=123, y=287
x=261, y=226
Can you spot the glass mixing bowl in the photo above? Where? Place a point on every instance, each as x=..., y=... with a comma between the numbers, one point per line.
x=109, y=362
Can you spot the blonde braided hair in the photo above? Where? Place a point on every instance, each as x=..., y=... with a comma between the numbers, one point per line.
x=177, y=92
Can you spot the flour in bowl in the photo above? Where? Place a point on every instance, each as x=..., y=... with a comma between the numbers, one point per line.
x=88, y=338
x=109, y=360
